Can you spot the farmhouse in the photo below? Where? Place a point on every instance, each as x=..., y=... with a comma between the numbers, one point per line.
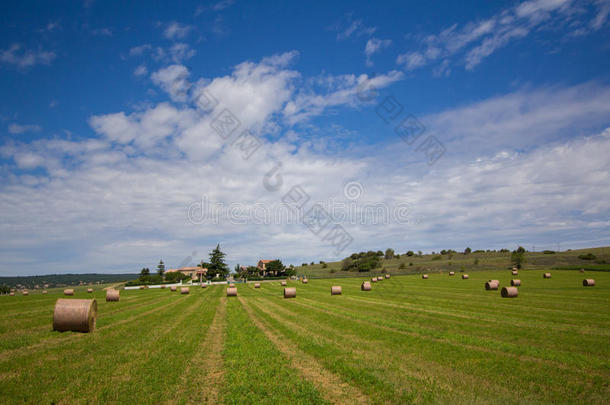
x=262, y=265
x=195, y=273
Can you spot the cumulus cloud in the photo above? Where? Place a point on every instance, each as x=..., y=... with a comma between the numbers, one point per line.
x=20, y=129
x=24, y=58
x=174, y=81
x=175, y=30
x=120, y=200
x=373, y=46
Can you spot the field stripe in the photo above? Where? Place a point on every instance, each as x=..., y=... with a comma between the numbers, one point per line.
x=205, y=373
x=332, y=388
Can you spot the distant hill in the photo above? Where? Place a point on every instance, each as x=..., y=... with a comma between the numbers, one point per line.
x=61, y=280
x=594, y=259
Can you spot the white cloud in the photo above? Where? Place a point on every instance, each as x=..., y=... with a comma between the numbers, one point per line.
x=175, y=30
x=20, y=129
x=347, y=27
x=520, y=167
x=475, y=41
x=106, y=32
x=23, y=58
x=373, y=46
x=141, y=70
x=174, y=81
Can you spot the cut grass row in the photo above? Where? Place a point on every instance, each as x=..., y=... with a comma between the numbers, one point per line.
x=407, y=341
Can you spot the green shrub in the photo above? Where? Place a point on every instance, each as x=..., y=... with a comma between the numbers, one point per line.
x=588, y=256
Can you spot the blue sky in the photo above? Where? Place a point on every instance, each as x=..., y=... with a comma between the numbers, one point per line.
x=110, y=144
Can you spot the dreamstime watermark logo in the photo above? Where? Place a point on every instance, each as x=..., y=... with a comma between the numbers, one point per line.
x=408, y=128
x=291, y=210
x=353, y=190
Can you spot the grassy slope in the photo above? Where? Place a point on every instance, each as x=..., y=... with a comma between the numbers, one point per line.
x=409, y=340
x=486, y=261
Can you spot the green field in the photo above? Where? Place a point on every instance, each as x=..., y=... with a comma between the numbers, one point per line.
x=441, y=340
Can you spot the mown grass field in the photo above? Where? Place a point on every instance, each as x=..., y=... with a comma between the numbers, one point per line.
x=441, y=340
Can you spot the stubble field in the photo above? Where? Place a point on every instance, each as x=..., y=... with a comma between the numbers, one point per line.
x=409, y=340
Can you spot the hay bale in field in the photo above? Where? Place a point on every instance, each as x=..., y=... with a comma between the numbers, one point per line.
x=112, y=295
x=546, y=275
x=335, y=290
x=231, y=292
x=231, y=285
x=305, y=281
x=492, y=285
x=366, y=286
x=387, y=276
x=204, y=285
x=424, y=276
x=163, y=287
x=588, y=282
x=74, y=315
x=509, y=292
x=514, y=272
x=290, y=292
x=515, y=282
x=374, y=280
x=283, y=283
x=173, y=288
x=12, y=294
x=452, y=273
x=89, y=290
x=464, y=276
x=184, y=290
x=515, y=268
x=257, y=285
x=582, y=270
x=25, y=292
x=45, y=292
x=69, y=291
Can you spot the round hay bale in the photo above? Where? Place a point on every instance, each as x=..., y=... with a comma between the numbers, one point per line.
x=305, y=281
x=509, y=292
x=12, y=294
x=515, y=268
x=173, y=288
x=74, y=315
x=112, y=295
x=89, y=290
x=204, y=285
x=379, y=278
x=25, y=293
x=290, y=292
x=366, y=286
x=231, y=285
x=492, y=285
x=231, y=292
x=452, y=273
x=283, y=283
x=588, y=282
x=257, y=285
x=335, y=290
x=69, y=291
x=514, y=272
x=582, y=270
x=142, y=287
x=464, y=276
x=374, y=280
x=546, y=275
x=387, y=276
x=45, y=292
x=184, y=290
x=424, y=276
x=163, y=287
x=515, y=283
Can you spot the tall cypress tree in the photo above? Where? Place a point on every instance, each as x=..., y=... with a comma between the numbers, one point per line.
x=217, y=264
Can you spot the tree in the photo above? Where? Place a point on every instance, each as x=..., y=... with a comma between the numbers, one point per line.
x=410, y=253
x=347, y=264
x=217, y=265
x=145, y=272
x=389, y=254
x=161, y=268
x=517, y=257
x=467, y=251
x=275, y=267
